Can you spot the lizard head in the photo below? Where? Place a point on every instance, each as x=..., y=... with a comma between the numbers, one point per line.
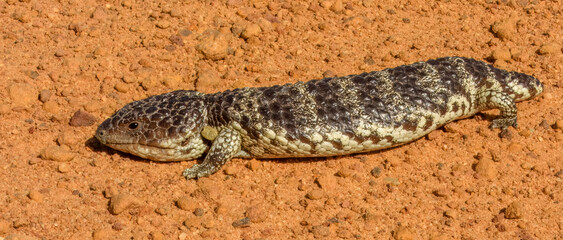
x=523, y=86
x=162, y=128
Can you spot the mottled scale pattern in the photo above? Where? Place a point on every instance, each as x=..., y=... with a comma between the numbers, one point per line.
x=326, y=117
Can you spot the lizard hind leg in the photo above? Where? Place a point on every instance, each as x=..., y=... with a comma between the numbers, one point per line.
x=506, y=105
x=225, y=146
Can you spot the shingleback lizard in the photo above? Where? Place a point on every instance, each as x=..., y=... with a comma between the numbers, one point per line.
x=327, y=117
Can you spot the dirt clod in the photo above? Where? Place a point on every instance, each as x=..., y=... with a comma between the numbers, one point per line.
x=213, y=45
x=241, y=223
x=122, y=202
x=36, y=196
x=315, y=194
x=514, y=211
x=16, y=236
x=22, y=94
x=504, y=29
x=82, y=119
x=486, y=168
x=549, y=48
x=57, y=154
x=402, y=233
x=256, y=214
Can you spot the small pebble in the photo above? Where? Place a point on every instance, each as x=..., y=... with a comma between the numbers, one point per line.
x=121, y=87
x=208, y=78
x=320, y=231
x=118, y=226
x=328, y=74
x=208, y=223
x=213, y=45
x=99, y=13
x=22, y=94
x=186, y=203
x=23, y=17
x=145, y=62
x=185, y=32
x=36, y=196
x=256, y=214
x=69, y=138
x=326, y=182
x=442, y=192
x=558, y=124
x=32, y=74
x=549, y=48
x=162, y=24
x=127, y=3
x=452, y=128
x=57, y=154
x=402, y=233
x=82, y=118
x=101, y=52
x=501, y=54
x=162, y=210
x=392, y=181
x=251, y=31
x=192, y=222
x=486, y=168
x=17, y=236
x=337, y=6
x=51, y=107
x=61, y=53
x=253, y=165
x=514, y=211
x=526, y=166
x=63, y=168
x=544, y=125
x=170, y=48
x=172, y=81
x=504, y=29
x=231, y=170
x=157, y=235
x=149, y=83
x=243, y=222
x=4, y=226
x=110, y=191
x=525, y=133
x=376, y=172
x=175, y=39
x=102, y=234
x=344, y=172
x=438, y=236
x=199, y=212
x=93, y=106
x=44, y=95
x=315, y=194
x=122, y=202
x=433, y=135
x=450, y=213
x=4, y=109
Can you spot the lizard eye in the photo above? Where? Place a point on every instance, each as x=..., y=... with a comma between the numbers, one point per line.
x=133, y=125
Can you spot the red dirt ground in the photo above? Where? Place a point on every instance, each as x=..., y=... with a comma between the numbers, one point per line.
x=461, y=182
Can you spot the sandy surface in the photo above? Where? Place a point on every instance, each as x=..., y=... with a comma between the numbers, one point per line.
x=460, y=182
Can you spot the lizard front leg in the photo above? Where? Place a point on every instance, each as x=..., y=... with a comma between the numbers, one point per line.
x=224, y=147
x=501, y=100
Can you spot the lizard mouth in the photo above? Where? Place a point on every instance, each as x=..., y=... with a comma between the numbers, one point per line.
x=155, y=153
